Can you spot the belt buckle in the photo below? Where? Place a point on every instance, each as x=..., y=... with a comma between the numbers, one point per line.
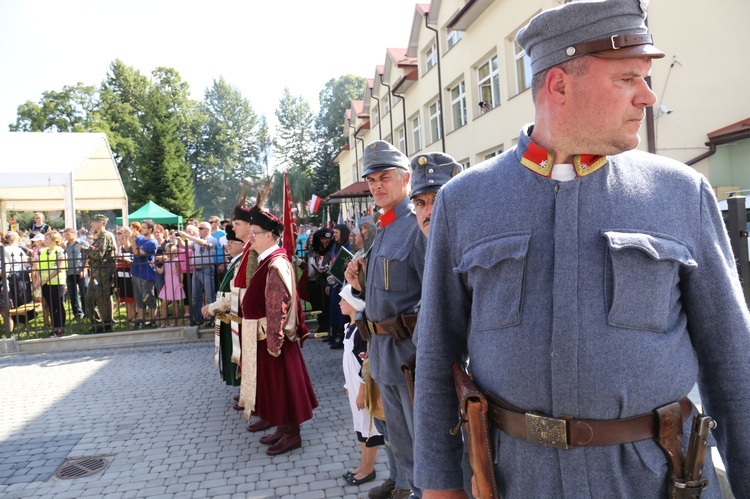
x=549, y=432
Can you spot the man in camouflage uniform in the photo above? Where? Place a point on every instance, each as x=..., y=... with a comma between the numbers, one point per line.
x=101, y=261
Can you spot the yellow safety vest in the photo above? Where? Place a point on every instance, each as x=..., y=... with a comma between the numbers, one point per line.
x=48, y=262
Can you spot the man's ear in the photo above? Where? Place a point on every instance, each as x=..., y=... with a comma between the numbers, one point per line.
x=556, y=84
x=407, y=177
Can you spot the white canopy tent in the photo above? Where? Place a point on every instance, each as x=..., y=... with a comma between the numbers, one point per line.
x=58, y=171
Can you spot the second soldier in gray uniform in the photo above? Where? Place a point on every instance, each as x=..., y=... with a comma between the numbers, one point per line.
x=393, y=287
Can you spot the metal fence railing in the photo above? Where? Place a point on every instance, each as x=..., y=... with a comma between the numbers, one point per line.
x=32, y=308
x=29, y=310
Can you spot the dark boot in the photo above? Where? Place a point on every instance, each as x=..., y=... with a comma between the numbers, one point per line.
x=290, y=440
x=259, y=425
x=273, y=437
x=337, y=343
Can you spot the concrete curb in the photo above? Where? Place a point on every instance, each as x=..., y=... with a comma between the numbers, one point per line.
x=146, y=337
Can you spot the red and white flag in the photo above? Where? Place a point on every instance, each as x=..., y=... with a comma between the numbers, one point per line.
x=315, y=203
x=290, y=222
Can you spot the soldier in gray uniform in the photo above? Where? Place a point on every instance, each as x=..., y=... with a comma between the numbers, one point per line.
x=393, y=286
x=101, y=261
x=590, y=285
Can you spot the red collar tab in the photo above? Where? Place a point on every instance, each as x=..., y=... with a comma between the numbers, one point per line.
x=387, y=218
x=540, y=161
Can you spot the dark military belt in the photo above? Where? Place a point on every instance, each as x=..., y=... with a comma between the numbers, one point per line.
x=399, y=327
x=565, y=433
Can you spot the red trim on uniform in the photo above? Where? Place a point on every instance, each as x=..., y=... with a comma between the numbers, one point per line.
x=387, y=218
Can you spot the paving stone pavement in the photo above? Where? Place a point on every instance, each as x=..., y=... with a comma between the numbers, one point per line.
x=166, y=421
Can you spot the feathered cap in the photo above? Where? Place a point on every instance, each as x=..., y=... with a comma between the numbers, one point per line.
x=257, y=215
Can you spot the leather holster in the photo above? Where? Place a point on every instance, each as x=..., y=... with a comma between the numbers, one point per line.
x=409, y=368
x=473, y=412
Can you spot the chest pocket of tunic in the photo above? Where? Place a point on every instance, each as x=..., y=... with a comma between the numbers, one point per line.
x=641, y=278
x=494, y=270
x=392, y=273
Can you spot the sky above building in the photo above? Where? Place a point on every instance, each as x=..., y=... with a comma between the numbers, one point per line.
x=258, y=46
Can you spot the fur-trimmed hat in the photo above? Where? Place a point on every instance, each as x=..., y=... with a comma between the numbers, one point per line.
x=231, y=234
x=266, y=220
x=241, y=213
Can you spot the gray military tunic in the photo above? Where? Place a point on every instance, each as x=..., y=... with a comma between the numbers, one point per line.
x=395, y=264
x=603, y=297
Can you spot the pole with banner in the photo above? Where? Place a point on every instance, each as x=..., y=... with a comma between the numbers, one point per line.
x=290, y=222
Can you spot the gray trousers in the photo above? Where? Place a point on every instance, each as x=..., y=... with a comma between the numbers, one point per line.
x=399, y=417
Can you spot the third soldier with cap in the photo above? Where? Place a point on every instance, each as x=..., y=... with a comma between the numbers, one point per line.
x=393, y=287
x=591, y=285
x=429, y=173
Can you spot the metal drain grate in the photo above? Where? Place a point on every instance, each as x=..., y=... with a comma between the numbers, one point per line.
x=82, y=467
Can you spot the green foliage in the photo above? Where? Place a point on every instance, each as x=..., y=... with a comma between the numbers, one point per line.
x=73, y=109
x=335, y=98
x=294, y=146
x=229, y=148
x=191, y=157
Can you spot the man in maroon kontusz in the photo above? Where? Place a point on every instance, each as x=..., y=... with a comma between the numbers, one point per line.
x=285, y=396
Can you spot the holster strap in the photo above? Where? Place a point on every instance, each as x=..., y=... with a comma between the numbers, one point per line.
x=565, y=433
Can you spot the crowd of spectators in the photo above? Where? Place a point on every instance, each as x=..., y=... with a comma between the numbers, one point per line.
x=162, y=277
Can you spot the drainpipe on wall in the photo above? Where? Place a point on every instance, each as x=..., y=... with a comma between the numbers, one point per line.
x=440, y=79
x=390, y=105
x=403, y=109
x=363, y=153
x=710, y=152
x=356, y=152
x=380, y=118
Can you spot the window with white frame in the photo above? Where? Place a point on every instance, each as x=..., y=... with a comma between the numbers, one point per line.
x=458, y=105
x=401, y=135
x=416, y=132
x=430, y=57
x=465, y=163
x=355, y=173
x=488, y=76
x=491, y=153
x=386, y=105
x=375, y=115
x=433, y=111
x=522, y=67
x=452, y=37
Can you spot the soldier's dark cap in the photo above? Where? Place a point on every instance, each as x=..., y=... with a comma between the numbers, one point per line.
x=431, y=171
x=231, y=234
x=100, y=218
x=266, y=220
x=381, y=155
x=612, y=29
x=241, y=213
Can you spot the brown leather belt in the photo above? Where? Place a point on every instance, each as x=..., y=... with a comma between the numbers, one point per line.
x=566, y=433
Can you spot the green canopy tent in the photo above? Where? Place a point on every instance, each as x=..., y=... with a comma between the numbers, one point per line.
x=152, y=211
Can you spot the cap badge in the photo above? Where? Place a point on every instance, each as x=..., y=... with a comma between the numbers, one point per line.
x=373, y=145
x=422, y=161
x=570, y=51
